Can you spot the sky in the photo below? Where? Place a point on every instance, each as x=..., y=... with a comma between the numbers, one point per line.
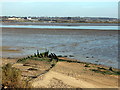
x=60, y=8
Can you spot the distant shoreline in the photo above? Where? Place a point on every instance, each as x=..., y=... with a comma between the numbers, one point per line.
x=58, y=29
x=60, y=24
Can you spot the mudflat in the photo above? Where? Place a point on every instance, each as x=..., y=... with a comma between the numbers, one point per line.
x=59, y=31
x=60, y=24
x=95, y=46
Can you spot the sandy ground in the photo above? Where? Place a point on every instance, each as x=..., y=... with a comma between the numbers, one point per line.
x=5, y=61
x=10, y=49
x=67, y=75
x=37, y=66
x=72, y=75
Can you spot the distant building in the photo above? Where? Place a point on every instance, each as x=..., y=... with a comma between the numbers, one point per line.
x=29, y=18
x=14, y=18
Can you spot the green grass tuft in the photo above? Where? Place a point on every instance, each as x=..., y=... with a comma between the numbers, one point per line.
x=106, y=71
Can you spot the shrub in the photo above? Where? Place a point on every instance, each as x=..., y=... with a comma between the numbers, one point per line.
x=11, y=77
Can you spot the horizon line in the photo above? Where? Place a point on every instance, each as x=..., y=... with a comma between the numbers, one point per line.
x=60, y=16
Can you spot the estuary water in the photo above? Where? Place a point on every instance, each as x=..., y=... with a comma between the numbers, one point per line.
x=62, y=27
x=94, y=46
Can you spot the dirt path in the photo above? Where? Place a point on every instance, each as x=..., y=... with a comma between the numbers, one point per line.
x=85, y=80
x=69, y=75
x=66, y=79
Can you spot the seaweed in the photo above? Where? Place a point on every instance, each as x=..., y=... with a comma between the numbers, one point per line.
x=106, y=71
x=45, y=56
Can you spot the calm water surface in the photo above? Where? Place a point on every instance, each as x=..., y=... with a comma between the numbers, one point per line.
x=95, y=47
x=63, y=27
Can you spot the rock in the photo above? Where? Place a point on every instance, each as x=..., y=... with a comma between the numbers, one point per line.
x=59, y=56
x=65, y=56
x=71, y=56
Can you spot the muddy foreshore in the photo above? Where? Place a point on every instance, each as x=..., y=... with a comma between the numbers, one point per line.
x=60, y=24
x=94, y=46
